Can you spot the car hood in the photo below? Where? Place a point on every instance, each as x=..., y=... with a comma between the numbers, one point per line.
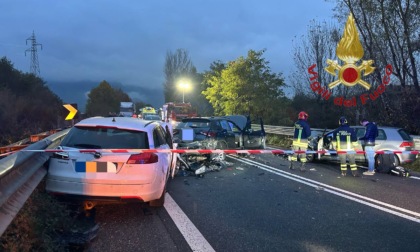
x=240, y=120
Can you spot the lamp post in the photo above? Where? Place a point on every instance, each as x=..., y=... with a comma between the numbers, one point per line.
x=184, y=86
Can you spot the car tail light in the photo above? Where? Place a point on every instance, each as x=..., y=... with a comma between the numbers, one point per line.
x=143, y=158
x=406, y=144
x=208, y=133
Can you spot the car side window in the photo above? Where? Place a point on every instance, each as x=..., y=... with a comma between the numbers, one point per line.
x=234, y=128
x=225, y=126
x=381, y=135
x=215, y=125
x=158, y=136
x=360, y=132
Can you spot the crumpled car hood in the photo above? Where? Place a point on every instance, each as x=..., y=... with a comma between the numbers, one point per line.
x=240, y=120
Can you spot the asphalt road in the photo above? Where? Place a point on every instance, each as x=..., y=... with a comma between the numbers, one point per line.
x=258, y=204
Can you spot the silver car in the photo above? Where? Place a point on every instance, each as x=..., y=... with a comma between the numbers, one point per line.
x=392, y=139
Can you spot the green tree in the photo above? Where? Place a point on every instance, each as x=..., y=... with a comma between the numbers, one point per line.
x=246, y=86
x=212, y=83
x=105, y=99
x=27, y=105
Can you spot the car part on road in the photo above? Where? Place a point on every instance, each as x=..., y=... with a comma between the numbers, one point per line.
x=199, y=165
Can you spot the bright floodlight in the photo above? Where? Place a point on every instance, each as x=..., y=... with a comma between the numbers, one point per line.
x=184, y=86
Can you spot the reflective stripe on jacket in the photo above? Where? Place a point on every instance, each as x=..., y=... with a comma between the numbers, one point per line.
x=301, y=134
x=345, y=137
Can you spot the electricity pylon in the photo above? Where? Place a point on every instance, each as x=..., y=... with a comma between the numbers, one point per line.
x=34, y=54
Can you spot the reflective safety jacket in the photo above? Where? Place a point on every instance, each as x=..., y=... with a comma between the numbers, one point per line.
x=345, y=138
x=301, y=134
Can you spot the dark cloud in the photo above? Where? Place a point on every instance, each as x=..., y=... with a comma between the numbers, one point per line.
x=126, y=41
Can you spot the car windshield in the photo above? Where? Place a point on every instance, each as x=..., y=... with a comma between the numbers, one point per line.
x=151, y=117
x=194, y=124
x=105, y=138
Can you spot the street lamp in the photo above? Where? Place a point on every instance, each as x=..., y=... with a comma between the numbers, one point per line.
x=184, y=86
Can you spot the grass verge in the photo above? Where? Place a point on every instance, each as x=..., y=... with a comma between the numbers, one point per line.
x=42, y=224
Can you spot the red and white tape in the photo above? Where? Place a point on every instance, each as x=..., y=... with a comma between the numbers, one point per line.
x=207, y=151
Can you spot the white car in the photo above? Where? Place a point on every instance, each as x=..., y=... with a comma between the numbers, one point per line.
x=101, y=161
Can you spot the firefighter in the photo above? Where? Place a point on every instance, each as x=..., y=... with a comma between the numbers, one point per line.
x=346, y=140
x=300, y=141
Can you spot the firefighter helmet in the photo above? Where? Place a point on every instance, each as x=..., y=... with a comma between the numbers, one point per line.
x=343, y=120
x=303, y=115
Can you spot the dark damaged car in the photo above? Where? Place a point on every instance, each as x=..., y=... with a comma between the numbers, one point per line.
x=221, y=132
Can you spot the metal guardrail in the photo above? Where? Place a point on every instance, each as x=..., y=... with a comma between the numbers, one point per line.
x=20, y=174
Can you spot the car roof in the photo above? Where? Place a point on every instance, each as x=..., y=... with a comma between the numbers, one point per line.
x=379, y=127
x=129, y=123
x=239, y=120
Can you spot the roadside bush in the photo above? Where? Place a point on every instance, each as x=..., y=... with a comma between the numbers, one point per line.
x=415, y=166
x=280, y=141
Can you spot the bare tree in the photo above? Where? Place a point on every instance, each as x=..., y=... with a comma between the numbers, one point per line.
x=313, y=48
x=390, y=31
x=177, y=65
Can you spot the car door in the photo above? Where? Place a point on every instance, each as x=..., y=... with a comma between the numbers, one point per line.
x=161, y=143
x=238, y=134
x=228, y=134
x=326, y=143
x=360, y=132
x=248, y=138
x=254, y=139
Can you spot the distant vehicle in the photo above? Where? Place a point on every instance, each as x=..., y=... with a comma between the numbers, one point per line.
x=178, y=111
x=389, y=139
x=148, y=110
x=98, y=176
x=127, y=109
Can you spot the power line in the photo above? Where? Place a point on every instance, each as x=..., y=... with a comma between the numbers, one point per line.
x=34, y=54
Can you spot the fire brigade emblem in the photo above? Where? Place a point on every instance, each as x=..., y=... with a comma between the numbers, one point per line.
x=349, y=50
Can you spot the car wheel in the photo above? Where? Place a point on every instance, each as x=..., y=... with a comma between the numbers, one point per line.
x=310, y=157
x=396, y=161
x=378, y=161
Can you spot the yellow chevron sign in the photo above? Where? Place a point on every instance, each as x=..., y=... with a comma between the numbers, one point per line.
x=72, y=110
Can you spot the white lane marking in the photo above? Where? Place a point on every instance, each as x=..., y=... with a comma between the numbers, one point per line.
x=339, y=192
x=191, y=234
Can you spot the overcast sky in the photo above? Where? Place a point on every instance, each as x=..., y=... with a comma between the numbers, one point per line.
x=125, y=41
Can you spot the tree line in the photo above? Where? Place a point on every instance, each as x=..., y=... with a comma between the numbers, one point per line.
x=27, y=105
